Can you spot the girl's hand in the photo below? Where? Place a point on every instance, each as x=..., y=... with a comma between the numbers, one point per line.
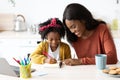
x=72, y=62
x=50, y=61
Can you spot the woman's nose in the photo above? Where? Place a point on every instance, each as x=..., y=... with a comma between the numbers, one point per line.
x=73, y=31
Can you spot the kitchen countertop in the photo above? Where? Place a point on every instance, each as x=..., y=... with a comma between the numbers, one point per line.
x=17, y=35
x=53, y=72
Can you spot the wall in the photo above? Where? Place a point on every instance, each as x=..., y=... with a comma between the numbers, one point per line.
x=36, y=11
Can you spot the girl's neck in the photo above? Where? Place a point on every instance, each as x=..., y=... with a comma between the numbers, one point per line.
x=53, y=48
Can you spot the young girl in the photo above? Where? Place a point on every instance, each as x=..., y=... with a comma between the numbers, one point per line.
x=51, y=48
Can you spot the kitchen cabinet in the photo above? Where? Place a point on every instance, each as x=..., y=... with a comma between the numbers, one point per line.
x=17, y=44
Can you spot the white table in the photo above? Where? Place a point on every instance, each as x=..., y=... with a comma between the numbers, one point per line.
x=81, y=72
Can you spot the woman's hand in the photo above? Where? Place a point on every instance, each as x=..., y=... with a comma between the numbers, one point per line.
x=50, y=61
x=72, y=62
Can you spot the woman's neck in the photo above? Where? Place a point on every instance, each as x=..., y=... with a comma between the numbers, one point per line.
x=87, y=34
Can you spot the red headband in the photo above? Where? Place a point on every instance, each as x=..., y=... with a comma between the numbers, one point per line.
x=52, y=24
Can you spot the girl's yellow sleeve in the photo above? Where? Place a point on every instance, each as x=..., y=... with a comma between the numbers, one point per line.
x=37, y=56
x=65, y=51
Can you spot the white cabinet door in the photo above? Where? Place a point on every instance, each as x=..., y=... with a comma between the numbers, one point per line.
x=17, y=48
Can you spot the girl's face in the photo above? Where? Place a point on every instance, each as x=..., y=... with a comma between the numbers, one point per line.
x=53, y=39
x=75, y=26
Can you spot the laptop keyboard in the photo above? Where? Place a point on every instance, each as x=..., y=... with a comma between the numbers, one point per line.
x=16, y=70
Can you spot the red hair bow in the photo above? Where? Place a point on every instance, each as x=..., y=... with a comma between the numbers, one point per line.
x=52, y=24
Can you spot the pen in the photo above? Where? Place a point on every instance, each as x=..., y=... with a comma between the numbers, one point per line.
x=25, y=61
x=60, y=64
x=46, y=54
x=16, y=60
x=22, y=62
x=28, y=60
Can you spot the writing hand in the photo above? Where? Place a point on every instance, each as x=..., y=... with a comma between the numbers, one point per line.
x=72, y=62
x=51, y=61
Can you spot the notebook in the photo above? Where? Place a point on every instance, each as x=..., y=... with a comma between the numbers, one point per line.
x=10, y=70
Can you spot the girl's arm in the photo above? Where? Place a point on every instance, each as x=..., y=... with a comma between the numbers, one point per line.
x=37, y=56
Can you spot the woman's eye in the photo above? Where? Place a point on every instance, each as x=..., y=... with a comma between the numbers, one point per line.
x=73, y=27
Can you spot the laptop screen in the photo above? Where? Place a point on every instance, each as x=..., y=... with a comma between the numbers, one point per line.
x=5, y=68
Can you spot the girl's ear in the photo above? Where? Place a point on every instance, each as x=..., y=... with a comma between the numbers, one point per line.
x=46, y=37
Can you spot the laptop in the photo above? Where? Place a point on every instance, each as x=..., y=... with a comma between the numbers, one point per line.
x=10, y=70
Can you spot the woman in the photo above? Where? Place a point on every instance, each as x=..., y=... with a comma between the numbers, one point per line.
x=87, y=36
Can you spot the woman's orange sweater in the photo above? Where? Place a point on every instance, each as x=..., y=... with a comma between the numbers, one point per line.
x=100, y=42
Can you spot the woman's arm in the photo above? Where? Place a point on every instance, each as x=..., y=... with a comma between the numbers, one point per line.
x=109, y=48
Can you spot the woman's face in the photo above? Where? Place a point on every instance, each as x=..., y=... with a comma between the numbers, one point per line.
x=75, y=26
x=53, y=39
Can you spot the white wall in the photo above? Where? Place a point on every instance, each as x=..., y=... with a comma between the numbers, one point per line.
x=36, y=11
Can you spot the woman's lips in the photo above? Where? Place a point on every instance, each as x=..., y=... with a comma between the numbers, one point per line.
x=78, y=34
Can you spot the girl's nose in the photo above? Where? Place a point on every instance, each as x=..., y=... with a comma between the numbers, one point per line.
x=54, y=41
